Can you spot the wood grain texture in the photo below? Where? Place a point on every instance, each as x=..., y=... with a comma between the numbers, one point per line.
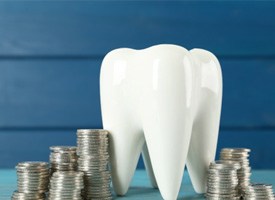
x=248, y=93
x=26, y=145
x=49, y=93
x=82, y=28
x=58, y=94
x=51, y=51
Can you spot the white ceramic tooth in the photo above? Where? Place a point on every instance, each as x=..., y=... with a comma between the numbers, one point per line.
x=148, y=166
x=206, y=123
x=126, y=138
x=155, y=95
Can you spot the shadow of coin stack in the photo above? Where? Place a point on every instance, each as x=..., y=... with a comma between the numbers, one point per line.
x=93, y=161
x=222, y=181
x=32, y=181
x=65, y=182
x=259, y=192
x=240, y=155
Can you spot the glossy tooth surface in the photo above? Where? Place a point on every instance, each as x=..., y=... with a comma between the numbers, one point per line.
x=165, y=102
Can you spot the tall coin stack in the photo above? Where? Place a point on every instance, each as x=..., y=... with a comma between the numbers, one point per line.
x=222, y=181
x=63, y=158
x=67, y=185
x=93, y=160
x=240, y=155
x=32, y=181
x=259, y=192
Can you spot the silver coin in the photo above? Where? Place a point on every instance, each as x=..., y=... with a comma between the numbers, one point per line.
x=259, y=191
x=240, y=155
x=66, y=185
x=223, y=175
x=32, y=180
x=224, y=164
x=62, y=148
x=235, y=150
x=63, y=158
x=27, y=196
x=92, y=149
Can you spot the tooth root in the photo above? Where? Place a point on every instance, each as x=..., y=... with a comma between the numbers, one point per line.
x=125, y=149
x=205, y=130
x=167, y=128
x=148, y=166
x=126, y=138
x=168, y=155
x=126, y=142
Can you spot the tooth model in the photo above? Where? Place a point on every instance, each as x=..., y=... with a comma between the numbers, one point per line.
x=165, y=102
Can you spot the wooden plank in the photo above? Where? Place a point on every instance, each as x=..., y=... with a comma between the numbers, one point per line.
x=249, y=95
x=65, y=93
x=85, y=28
x=18, y=146
x=26, y=145
x=49, y=93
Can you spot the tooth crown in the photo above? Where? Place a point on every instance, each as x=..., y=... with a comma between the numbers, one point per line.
x=165, y=102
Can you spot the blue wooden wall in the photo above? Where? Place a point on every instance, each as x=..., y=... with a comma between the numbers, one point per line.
x=50, y=56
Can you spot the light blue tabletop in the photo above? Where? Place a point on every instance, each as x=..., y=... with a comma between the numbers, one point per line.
x=140, y=187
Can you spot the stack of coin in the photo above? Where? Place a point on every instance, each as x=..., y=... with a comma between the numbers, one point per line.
x=93, y=160
x=240, y=155
x=63, y=158
x=66, y=185
x=259, y=192
x=222, y=181
x=32, y=180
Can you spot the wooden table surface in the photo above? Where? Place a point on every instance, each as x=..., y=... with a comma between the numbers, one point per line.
x=140, y=187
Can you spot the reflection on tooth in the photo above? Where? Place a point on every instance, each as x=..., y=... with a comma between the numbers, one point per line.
x=170, y=98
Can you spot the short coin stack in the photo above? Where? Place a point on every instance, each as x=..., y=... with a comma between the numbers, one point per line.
x=66, y=185
x=222, y=181
x=32, y=180
x=63, y=158
x=240, y=155
x=259, y=192
x=93, y=160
